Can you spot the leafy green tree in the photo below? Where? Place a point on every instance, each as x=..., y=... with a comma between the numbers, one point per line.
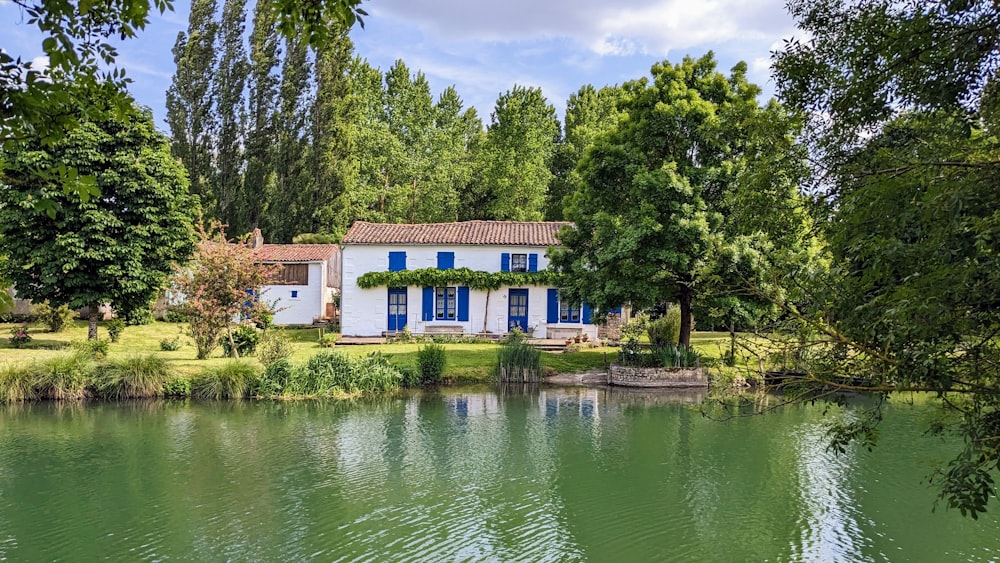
x=589, y=112
x=650, y=213
x=516, y=155
x=221, y=283
x=190, y=99
x=118, y=248
x=905, y=104
x=252, y=202
x=228, y=83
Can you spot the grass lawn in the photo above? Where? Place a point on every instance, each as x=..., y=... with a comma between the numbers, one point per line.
x=465, y=362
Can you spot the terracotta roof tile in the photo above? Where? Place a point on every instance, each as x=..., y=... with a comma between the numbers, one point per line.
x=297, y=252
x=501, y=233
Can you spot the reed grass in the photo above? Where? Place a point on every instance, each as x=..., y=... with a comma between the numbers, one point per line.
x=64, y=377
x=518, y=361
x=232, y=380
x=17, y=383
x=132, y=377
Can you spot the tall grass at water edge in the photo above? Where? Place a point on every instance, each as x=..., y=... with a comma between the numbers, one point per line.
x=132, y=377
x=518, y=361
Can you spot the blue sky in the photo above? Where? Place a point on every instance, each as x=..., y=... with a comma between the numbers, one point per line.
x=484, y=47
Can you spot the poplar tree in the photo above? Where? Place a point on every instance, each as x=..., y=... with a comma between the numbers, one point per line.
x=190, y=99
x=229, y=83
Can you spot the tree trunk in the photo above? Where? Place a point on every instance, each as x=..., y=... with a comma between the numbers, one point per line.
x=233, y=352
x=685, y=301
x=486, y=310
x=93, y=314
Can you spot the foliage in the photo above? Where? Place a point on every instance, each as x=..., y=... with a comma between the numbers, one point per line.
x=245, y=338
x=315, y=238
x=275, y=379
x=97, y=349
x=274, y=345
x=474, y=279
x=177, y=386
x=131, y=377
x=517, y=360
x=328, y=340
x=431, y=362
x=329, y=371
x=666, y=356
x=65, y=376
x=905, y=105
x=118, y=248
x=17, y=383
x=651, y=209
x=175, y=314
x=665, y=330
x=635, y=327
x=170, y=344
x=115, y=326
x=231, y=380
x=19, y=336
x=55, y=318
x=216, y=285
x=410, y=376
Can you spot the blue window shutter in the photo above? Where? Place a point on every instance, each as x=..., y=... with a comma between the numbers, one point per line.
x=463, y=303
x=428, y=311
x=446, y=260
x=587, y=313
x=616, y=311
x=553, y=307
x=532, y=262
x=397, y=261
x=505, y=262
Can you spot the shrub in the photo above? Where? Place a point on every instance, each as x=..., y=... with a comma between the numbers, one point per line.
x=328, y=340
x=666, y=330
x=17, y=383
x=275, y=378
x=517, y=360
x=373, y=374
x=175, y=314
x=676, y=357
x=132, y=377
x=64, y=377
x=96, y=349
x=322, y=373
x=177, y=387
x=19, y=336
x=274, y=345
x=55, y=318
x=116, y=327
x=232, y=380
x=635, y=327
x=246, y=339
x=140, y=316
x=170, y=345
x=431, y=362
x=410, y=376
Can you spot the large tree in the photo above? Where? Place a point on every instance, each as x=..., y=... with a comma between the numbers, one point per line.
x=906, y=108
x=117, y=248
x=655, y=191
x=516, y=156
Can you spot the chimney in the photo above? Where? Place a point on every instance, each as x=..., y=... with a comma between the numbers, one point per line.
x=256, y=239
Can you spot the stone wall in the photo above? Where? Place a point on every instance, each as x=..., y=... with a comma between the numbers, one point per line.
x=657, y=377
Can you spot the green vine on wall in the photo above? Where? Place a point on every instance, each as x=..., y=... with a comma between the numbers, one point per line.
x=474, y=279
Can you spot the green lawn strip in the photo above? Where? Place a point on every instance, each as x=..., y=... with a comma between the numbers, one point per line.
x=466, y=363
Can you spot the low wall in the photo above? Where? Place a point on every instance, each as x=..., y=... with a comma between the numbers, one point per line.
x=657, y=377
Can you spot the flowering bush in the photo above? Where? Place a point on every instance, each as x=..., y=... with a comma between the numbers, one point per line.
x=19, y=336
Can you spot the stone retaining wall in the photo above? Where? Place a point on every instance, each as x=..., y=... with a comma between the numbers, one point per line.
x=657, y=377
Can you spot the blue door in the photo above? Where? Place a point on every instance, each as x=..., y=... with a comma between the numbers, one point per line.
x=517, y=309
x=397, y=308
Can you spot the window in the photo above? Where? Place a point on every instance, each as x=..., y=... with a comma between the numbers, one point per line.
x=568, y=313
x=445, y=303
x=295, y=294
x=293, y=274
x=519, y=262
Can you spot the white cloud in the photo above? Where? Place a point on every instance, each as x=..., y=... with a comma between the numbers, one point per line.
x=650, y=27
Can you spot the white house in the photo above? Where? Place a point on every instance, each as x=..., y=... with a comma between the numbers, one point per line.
x=481, y=246
x=308, y=280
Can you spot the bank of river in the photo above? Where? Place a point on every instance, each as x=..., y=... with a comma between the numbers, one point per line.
x=469, y=473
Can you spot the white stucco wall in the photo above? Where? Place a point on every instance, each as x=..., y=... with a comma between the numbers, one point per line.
x=308, y=305
x=365, y=311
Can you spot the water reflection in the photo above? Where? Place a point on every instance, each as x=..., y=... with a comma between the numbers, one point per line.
x=515, y=474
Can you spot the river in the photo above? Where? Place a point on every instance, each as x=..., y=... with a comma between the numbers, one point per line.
x=560, y=474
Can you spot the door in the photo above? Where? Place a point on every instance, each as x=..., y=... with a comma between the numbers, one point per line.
x=397, y=308
x=517, y=311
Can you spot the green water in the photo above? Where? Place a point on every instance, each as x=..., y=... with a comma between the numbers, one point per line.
x=556, y=474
